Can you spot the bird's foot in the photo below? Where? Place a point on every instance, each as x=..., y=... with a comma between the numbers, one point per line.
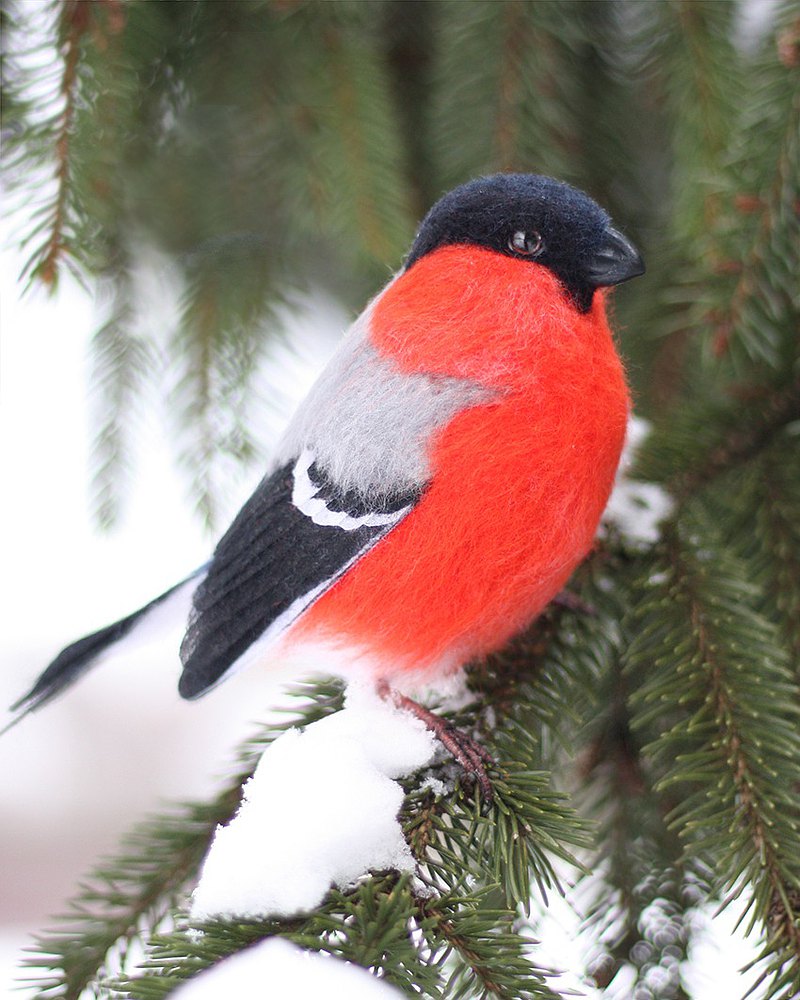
x=566, y=599
x=466, y=750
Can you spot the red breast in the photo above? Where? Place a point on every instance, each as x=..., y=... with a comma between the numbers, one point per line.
x=518, y=485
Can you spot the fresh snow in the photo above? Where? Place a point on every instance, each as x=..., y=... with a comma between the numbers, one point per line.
x=321, y=808
x=278, y=968
x=636, y=508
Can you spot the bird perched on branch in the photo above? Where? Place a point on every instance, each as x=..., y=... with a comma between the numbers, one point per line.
x=445, y=474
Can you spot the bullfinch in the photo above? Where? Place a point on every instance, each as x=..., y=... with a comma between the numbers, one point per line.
x=445, y=474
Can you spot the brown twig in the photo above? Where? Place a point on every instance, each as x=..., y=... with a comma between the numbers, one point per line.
x=75, y=19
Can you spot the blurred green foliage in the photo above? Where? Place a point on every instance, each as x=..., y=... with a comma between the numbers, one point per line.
x=263, y=148
x=255, y=149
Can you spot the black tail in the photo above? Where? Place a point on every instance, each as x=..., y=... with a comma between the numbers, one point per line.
x=74, y=660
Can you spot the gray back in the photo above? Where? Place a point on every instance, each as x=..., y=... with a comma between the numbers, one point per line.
x=368, y=424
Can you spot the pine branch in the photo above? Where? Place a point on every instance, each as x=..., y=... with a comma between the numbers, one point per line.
x=477, y=940
x=128, y=896
x=122, y=364
x=778, y=527
x=81, y=26
x=737, y=327
x=758, y=319
x=381, y=924
x=699, y=83
x=368, y=194
x=407, y=29
x=757, y=505
x=724, y=745
x=220, y=340
x=506, y=125
x=11, y=96
x=366, y=925
x=354, y=145
x=513, y=57
x=468, y=938
x=199, y=328
x=734, y=438
x=75, y=17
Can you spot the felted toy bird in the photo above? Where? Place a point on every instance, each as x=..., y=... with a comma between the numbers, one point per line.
x=446, y=473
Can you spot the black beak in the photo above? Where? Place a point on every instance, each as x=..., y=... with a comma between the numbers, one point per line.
x=615, y=261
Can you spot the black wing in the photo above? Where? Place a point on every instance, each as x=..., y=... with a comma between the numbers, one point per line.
x=290, y=542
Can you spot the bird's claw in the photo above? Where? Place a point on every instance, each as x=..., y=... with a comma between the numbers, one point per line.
x=465, y=749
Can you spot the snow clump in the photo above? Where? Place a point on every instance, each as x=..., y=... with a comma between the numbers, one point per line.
x=278, y=968
x=636, y=508
x=321, y=808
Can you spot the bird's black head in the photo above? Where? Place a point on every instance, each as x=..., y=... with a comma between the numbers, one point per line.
x=537, y=219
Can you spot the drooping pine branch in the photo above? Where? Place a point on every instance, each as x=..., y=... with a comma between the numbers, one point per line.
x=698, y=68
x=754, y=324
x=749, y=392
x=75, y=18
x=122, y=362
x=719, y=687
x=82, y=27
x=518, y=56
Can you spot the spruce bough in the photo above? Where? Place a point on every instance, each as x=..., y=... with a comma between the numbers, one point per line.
x=669, y=715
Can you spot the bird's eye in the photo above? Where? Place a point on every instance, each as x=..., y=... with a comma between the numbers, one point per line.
x=528, y=244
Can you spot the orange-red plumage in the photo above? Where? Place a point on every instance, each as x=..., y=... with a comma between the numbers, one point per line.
x=518, y=484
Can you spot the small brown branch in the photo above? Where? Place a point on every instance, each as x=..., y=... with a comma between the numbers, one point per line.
x=419, y=829
x=75, y=19
x=788, y=45
x=448, y=932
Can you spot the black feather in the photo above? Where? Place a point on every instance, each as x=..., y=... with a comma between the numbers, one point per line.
x=272, y=557
x=75, y=659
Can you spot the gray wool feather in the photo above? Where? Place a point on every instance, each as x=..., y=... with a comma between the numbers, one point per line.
x=368, y=424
